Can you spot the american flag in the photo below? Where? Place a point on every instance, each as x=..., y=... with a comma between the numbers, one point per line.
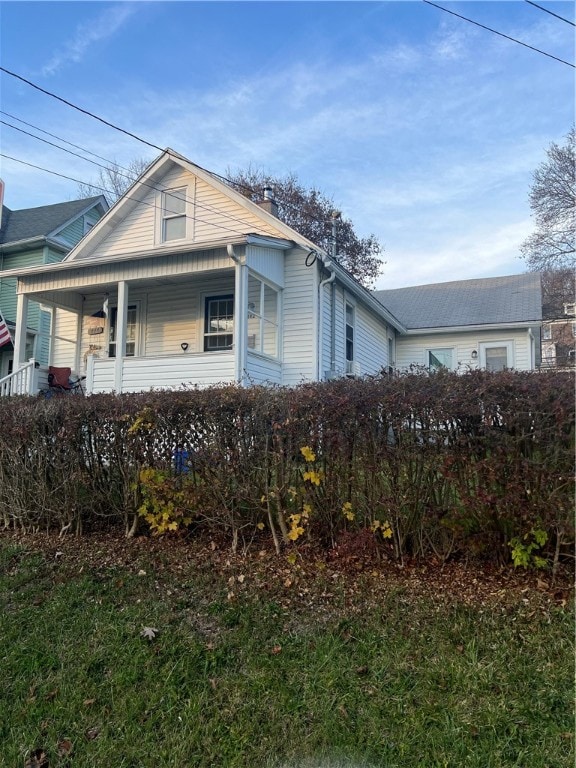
x=5, y=336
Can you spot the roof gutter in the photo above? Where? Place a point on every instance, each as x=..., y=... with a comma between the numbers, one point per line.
x=478, y=327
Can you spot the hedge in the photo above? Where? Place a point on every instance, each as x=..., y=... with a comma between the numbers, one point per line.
x=474, y=465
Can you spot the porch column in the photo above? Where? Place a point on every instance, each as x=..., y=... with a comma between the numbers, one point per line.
x=20, y=331
x=240, y=320
x=121, y=322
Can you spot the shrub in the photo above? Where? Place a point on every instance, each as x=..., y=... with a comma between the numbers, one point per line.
x=455, y=465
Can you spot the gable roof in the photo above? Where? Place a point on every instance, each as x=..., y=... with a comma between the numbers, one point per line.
x=487, y=301
x=254, y=221
x=34, y=223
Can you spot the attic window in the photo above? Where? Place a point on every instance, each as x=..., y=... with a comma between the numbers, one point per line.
x=174, y=214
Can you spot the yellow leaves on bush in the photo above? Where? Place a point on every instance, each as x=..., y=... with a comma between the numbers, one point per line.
x=308, y=453
x=167, y=500
x=347, y=511
x=296, y=530
x=313, y=477
x=384, y=527
x=144, y=422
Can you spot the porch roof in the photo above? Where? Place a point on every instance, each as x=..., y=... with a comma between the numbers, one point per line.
x=158, y=252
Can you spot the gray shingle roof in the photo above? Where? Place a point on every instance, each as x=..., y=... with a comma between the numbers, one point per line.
x=487, y=301
x=39, y=222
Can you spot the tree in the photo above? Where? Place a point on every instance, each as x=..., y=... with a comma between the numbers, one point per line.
x=557, y=290
x=114, y=180
x=553, y=201
x=311, y=213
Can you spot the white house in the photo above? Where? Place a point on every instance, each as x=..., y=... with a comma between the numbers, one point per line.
x=492, y=323
x=186, y=282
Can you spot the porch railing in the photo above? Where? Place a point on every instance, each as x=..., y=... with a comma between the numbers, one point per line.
x=23, y=381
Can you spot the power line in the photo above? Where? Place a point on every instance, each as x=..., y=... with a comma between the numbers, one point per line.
x=494, y=31
x=550, y=12
x=54, y=136
x=103, y=189
x=129, y=175
x=226, y=180
x=106, y=122
x=80, y=109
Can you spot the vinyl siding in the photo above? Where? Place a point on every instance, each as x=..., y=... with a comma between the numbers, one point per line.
x=167, y=316
x=299, y=320
x=8, y=284
x=65, y=335
x=262, y=370
x=412, y=350
x=268, y=263
x=211, y=216
x=370, y=335
x=371, y=343
x=143, y=374
x=170, y=265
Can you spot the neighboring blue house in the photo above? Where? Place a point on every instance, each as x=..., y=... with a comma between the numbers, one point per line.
x=33, y=237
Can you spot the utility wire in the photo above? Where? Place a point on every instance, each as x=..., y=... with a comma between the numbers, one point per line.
x=128, y=133
x=106, y=122
x=80, y=109
x=54, y=136
x=103, y=189
x=513, y=39
x=550, y=12
x=129, y=175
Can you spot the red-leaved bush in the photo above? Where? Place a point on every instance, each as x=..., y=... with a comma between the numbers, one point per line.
x=454, y=465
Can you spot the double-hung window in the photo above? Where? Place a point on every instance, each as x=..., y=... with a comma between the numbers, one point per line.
x=262, y=317
x=350, y=324
x=218, y=323
x=174, y=214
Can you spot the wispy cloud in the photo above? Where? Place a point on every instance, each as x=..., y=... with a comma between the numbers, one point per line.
x=102, y=27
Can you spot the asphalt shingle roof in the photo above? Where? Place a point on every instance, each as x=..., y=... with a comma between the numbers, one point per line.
x=492, y=300
x=39, y=222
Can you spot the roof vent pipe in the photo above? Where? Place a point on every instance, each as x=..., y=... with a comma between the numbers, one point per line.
x=268, y=203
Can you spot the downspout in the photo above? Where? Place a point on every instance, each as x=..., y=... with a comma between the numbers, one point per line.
x=329, y=280
x=240, y=320
x=335, y=217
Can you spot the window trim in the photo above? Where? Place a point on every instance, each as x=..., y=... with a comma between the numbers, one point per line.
x=263, y=319
x=172, y=216
x=205, y=334
x=431, y=350
x=486, y=345
x=352, y=341
x=113, y=308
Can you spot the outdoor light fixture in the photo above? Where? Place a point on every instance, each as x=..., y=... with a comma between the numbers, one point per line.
x=184, y=346
x=474, y=354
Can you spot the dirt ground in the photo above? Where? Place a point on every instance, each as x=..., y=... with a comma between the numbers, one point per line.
x=303, y=575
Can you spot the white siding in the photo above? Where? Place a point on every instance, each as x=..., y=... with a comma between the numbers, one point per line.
x=370, y=335
x=268, y=263
x=143, y=374
x=262, y=370
x=171, y=265
x=371, y=344
x=326, y=330
x=300, y=322
x=411, y=350
x=211, y=215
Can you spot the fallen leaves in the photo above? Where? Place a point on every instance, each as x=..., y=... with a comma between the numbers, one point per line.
x=149, y=633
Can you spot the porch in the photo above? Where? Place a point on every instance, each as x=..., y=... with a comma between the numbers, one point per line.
x=216, y=322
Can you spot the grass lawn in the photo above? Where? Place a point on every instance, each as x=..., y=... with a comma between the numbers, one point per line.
x=262, y=663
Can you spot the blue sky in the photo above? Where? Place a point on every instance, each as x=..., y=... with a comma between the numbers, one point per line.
x=424, y=129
